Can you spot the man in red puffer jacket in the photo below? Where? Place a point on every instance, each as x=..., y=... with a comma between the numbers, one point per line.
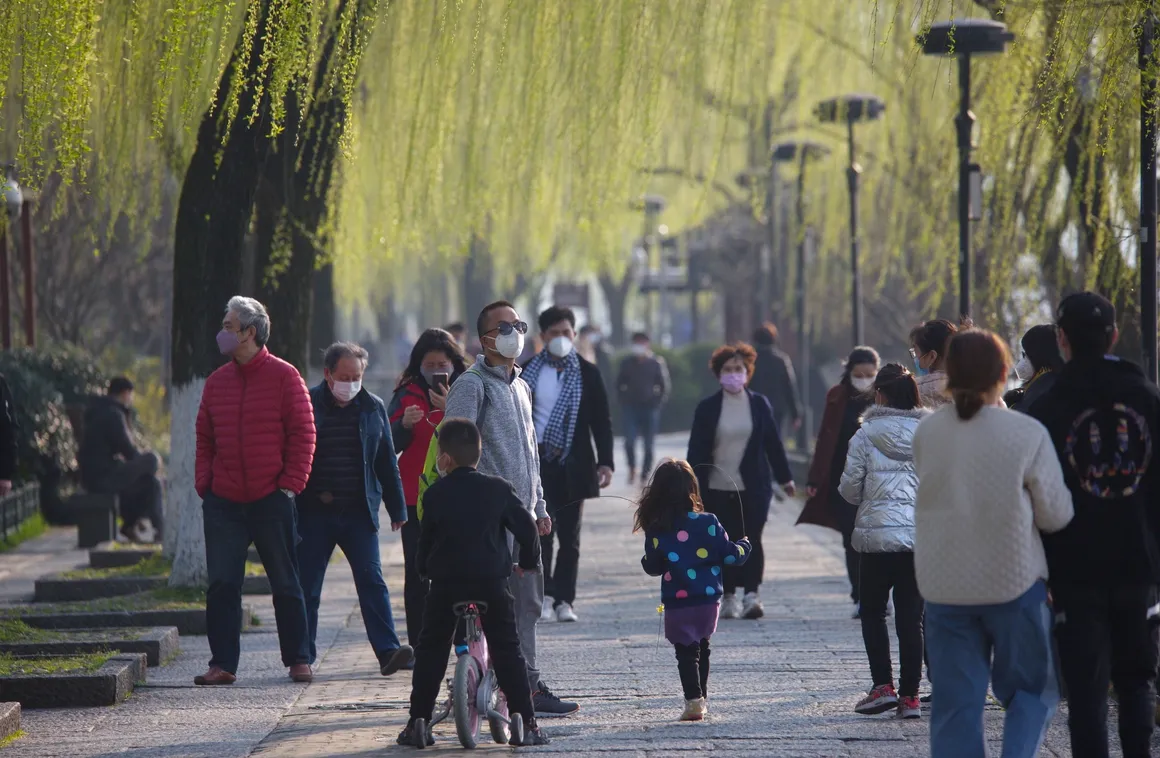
x=255, y=446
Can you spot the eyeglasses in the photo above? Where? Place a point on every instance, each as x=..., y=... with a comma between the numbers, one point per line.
x=504, y=328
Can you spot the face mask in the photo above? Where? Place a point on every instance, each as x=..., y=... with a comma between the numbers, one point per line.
x=346, y=391
x=561, y=347
x=509, y=345
x=1024, y=370
x=640, y=350
x=595, y=338
x=734, y=382
x=918, y=369
x=227, y=342
x=862, y=383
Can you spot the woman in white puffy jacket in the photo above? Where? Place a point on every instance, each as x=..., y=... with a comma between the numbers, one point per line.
x=881, y=481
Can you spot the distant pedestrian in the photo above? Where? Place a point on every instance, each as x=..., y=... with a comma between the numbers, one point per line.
x=736, y=450
x=255, y=445
x=845, y=403
x=593, y=348
x=643, y=387
x=928, y=349
x=354, y=473
x=881, y=482
x=458, y=333
x=1104, y=419
x=773, y=376
x=1037, y=369
x=570, y=411
x=7, y=438
x=689, y=549
x=416, y=408
x=989, y=483
x=110, y=463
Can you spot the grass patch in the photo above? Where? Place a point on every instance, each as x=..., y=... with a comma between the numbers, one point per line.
x=153, y=566
x=255, y=620
x=31, y=527
x=164, y=599
x=15, y=630
x=6, y=741
x=72, y=664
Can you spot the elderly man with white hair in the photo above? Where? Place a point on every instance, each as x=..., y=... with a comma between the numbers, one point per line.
x=255, y=446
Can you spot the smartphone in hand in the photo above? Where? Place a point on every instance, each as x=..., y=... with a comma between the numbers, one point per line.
x=441, y=381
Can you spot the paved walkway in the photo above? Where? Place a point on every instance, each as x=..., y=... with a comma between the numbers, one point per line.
x=52, y=552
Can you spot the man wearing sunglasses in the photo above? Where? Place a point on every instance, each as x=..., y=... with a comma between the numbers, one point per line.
x=493, y=396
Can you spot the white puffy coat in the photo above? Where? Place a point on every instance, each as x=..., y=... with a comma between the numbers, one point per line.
x=881, y=481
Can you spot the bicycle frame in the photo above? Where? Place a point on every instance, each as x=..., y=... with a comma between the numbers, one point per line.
x=490, y=702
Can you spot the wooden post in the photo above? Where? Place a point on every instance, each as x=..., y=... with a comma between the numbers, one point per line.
x=29, y=273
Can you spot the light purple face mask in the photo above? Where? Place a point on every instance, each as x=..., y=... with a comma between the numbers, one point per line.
x=734, y=382
x=227, y=342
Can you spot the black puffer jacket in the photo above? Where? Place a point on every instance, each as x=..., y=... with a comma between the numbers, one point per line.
x=106, y=437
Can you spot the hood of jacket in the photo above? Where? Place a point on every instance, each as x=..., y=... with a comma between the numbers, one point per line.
x=891, y=430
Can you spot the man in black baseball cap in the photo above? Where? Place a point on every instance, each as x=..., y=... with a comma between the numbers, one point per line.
x=1104, y=418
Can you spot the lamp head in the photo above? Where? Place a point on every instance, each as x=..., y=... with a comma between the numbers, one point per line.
x=791, y=150
x=852, y=108
x=965, y=36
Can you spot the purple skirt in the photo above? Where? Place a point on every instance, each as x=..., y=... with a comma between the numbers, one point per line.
x=688, y=626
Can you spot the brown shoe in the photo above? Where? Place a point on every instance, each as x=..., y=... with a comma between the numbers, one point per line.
x=300, y=672
x=215, y=675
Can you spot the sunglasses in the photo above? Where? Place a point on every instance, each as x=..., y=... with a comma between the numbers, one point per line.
x=504, y=328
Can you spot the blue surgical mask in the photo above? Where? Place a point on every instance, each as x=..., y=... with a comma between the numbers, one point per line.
x=918, y=369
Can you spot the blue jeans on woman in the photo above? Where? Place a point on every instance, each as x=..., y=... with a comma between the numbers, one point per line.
x=1006, y=645
x=322, y=529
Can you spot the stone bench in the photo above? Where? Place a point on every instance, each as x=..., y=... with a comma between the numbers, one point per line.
x=95, y=517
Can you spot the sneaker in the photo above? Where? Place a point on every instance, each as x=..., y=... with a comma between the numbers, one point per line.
x=730, y=607
x=565, y=613
x=550, y=706
x=301, y=673
x=410, y=737
x=215, y=675
x=751, y=607
x=880, y=700
x=694, y=710
x=548, y=613
x=909, y=708
x=925, y=698
x=531, y=737
x=399, y=659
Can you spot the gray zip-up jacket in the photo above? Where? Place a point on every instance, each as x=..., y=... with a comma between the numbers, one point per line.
x=501, y=406
x=880, y=479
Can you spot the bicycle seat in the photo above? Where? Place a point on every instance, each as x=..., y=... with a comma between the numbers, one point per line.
x=461, y=609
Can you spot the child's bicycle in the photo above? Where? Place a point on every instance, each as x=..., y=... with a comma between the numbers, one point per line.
x=474, y=692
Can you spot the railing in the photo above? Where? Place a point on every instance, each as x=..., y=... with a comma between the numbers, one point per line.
x=17, y=507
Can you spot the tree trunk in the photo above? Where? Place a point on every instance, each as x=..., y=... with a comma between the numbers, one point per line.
x=616, y=295
x=213, y=216
x=478, y=278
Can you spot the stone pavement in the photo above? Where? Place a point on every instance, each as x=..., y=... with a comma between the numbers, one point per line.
x=52, y=552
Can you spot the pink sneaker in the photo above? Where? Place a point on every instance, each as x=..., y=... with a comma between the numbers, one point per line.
x=909, y=708
x=880, y=700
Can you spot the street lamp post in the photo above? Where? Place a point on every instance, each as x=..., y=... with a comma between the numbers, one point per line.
x=851, y=109
x=963, y=38
x=802, y=152
x=653, y=206
x=13, y=203
x=1149, y=91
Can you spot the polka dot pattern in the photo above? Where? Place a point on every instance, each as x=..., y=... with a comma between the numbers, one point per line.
x=682, y=536
x=702, y=552
x=656, y=542
x=694, y=560
x=730, y=560
x=682, y=594
x=669, y=577
x=691, y=573
x=674, y=558
x=710, y=590
x=712, y=531
x=716, y=571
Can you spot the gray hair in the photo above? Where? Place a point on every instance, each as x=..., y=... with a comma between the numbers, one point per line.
x=340, y=350
x=251, y=313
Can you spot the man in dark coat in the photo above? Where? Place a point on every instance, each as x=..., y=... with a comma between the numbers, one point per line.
x=774, y=378
x=570, y=411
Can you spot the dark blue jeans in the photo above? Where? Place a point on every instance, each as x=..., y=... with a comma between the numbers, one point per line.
x=640, y=421
x=229, y=530
x=351, y=530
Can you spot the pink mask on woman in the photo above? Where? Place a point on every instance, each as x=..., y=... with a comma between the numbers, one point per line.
x=734, y=382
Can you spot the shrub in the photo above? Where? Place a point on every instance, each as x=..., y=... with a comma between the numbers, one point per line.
x=45, y=444
x=73, y=372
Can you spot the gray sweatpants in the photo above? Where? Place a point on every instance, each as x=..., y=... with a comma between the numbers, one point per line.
x=528, y=591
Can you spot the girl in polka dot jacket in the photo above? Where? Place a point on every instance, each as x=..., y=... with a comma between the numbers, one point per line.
x=686, y=547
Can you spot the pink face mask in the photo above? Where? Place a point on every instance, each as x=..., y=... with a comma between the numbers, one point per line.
x=734, y=382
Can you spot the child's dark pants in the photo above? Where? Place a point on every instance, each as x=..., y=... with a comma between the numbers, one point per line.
x=503, y=645
x=693, y=666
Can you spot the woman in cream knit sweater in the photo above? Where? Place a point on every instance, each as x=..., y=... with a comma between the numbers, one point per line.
x=989, y=483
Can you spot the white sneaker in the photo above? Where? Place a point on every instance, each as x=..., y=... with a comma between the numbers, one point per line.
x=548, y=613
x=751, y=607
x=565, y=613
x=730, y=607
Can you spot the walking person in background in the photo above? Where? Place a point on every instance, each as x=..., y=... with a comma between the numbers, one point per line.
x=690, y=550
x=7, y=438
x=570, y=411
x=592, y=348
x=643, y=386
x=928, y=349
x=458, y=333
x=773, y=376
x=735, y=449
x=846, y=401
x=881, y=483
x=989, y=483
x=111, y=463
x=416, y=408
x=354, y=472
x=255, y=445
x=1037, y=369
x=1103, y=416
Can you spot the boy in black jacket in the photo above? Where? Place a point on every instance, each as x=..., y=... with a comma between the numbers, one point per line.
x=1104, y=418
x=464, y=552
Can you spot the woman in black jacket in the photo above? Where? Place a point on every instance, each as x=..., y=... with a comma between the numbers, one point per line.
x=737, y=453
x=1036, y=369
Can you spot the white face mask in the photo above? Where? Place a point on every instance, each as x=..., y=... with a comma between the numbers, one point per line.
x=862, y=383
x=510, y=345
x=561, y=347
x=346, y=391
x=1023, y=369
x=639, y=350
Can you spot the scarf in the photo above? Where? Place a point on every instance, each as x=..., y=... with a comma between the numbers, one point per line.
x=561, y=426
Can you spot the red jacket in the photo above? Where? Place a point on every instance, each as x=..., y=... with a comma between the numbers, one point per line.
x=255, y=431
x=412, y=442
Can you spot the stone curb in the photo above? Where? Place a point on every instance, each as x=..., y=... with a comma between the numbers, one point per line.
x=109, y=685
x=105, y=555
x=189, y=622
x=159, y=644
x=257, y=585
x=57, y=589
x=9, y=720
